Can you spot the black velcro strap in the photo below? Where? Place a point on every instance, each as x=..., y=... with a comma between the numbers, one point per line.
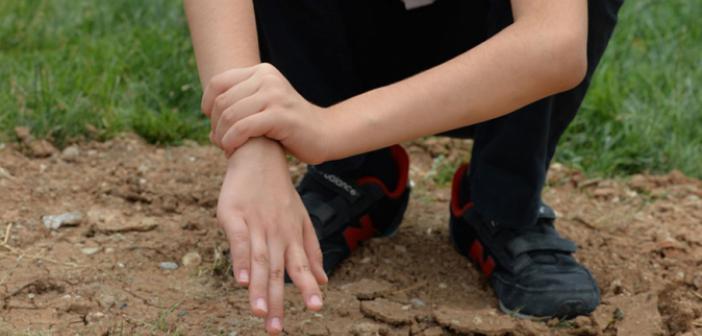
x=321, y=211
x=540, y=242
x=331, y=215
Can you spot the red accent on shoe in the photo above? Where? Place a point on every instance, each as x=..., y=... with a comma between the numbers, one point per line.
x=456, y=208
x=354, y=235
x=488, y=266
x=476, y=251
x=402, y=161
x=477, y=254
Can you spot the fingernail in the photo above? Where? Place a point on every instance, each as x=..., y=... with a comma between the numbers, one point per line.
x=315, y=301
x=275, y=324
x=261, y=305
x=243, y=276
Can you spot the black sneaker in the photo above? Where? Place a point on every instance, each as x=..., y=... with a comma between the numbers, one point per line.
x=348, y=210
x=532, y=270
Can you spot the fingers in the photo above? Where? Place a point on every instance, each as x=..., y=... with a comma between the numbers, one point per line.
x=258, y=286
x=299, y=271
x=255, y=125
x=240, y=110
x=276, y=287
x=226, y=100
x=238, y=236
x=221, y=83
x=314, y=253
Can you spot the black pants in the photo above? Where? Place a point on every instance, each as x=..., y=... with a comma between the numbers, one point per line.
x=331, y=50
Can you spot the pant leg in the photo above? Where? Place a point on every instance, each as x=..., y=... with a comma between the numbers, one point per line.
x=307, y=41
x=334, y=49
x=511, y=154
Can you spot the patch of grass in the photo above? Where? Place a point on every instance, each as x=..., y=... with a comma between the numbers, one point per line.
x=69, y=66
x=644, y=108
x=164, y=323
x=443, y=168
x=90, y=69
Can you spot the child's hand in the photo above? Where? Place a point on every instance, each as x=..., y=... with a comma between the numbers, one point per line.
x=258, y=101
x=269, y=231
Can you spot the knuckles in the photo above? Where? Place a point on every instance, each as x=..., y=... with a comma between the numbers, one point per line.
x=239, y=238
x=266, y=67
x=218, y=82
x=275, y=93
x=260, y=258
x=299, y=269
x=228, y=117
x=276, y=274
x=219, y=103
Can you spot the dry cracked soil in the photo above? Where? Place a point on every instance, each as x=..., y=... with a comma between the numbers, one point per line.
x=138, y=251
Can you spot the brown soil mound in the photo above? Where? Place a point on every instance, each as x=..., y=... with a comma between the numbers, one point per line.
x=133, y=212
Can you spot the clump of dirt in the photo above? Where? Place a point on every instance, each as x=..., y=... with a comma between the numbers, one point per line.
x=145, y=255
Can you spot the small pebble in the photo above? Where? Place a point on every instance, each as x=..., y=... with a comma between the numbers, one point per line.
x=106, y=300
x=70, y=153
x=5, y=174
x=191, y=258
x=442, y=285
x=168, y=265
x=417, y=303
x=90, y=250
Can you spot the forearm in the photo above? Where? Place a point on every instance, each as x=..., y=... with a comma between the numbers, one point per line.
x=224, y=37
x=531, y=59
x=223, y=34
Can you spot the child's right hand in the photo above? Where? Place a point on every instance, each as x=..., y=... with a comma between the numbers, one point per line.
x=269, y=231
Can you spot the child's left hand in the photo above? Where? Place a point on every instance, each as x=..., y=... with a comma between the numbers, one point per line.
x=257, y=101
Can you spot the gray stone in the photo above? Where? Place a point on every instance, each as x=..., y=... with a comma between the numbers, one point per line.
x=168, y=265
x=54, y=222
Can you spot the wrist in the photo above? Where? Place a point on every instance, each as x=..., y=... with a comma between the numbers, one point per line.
x=261, y=151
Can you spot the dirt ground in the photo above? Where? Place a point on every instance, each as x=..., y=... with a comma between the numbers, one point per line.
x=137, y=206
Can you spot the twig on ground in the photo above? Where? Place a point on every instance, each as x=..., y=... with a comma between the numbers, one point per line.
x=6, y=238
x=590, y=182
x=143, y=299
x=21, y=254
